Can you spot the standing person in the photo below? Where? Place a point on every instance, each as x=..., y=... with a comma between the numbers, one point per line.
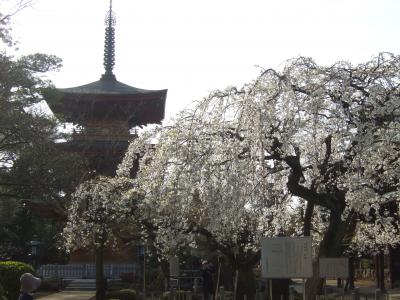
x=29, y=284
x=207, y=269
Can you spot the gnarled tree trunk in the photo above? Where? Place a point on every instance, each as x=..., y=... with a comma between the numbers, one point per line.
x=331, y=246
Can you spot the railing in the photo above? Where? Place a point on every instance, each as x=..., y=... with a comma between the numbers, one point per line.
x=112, y=271
x=104, y=134
x=369, y=274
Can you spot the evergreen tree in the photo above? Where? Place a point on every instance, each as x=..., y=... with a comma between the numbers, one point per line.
x=33, y=168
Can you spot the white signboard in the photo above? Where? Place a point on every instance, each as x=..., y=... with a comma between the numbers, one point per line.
x=174, y=267
x=334, y=267
x=286, y=257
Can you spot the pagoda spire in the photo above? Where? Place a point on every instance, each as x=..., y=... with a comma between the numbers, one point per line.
x=109, y=45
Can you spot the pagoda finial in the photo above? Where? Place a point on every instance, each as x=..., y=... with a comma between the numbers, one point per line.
x=109, y=45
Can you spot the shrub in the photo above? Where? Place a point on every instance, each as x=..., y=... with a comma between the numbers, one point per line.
x=2, y=296
x=116, y=285
x=126, y=294
x=158, y=282
x=10, y=272
x=180, y=294
x=127, y=277
x=50, y=285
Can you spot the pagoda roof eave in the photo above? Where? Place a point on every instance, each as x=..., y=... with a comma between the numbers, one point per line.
x=108, y=87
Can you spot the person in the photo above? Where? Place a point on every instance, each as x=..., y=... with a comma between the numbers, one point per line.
x=207, y=269
x=29, y=284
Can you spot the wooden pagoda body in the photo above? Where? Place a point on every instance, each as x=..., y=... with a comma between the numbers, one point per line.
x=104, y=114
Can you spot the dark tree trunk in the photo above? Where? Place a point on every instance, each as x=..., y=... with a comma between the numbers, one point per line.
x=308, y=218
x=331, y=246
x=339, y=283
x=246, y=283
x=280, y=289
x=394, y=266
x=100, y=280
x=242, y=260
x=350, y=282
x=380, y=270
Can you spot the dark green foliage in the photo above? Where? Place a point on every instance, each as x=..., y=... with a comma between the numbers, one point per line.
x=117, y=285
x=180, y=294
x=34, y=171
x=32, y=166
x=127, y=294
x=2, y=293
x=156, y=280
x=10, y=272
x=23, y=226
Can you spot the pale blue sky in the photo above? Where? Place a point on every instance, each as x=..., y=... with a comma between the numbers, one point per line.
x=192, y=47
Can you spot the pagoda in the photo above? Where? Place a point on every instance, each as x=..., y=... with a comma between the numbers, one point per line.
x=105, y=112
x=104, y=115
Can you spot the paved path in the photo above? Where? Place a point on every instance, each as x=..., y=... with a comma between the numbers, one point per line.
x=70, y=295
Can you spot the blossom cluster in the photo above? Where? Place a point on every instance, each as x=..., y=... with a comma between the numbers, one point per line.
x=239, y=164
x=99, y=210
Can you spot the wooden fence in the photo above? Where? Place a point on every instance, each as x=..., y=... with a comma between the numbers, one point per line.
x=71, y=271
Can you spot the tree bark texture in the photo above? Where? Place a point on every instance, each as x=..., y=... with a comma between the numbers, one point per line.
x=394, y=266
x=100, y=280
x=331, y=246
x=246, y=283
x=308, y=218
x=380, y=270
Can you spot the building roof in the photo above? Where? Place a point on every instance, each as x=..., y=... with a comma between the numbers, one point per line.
x=108, y=86
x=108, y=99
x=82, y=104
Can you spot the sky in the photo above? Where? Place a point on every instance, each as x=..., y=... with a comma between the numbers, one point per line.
x=193, y=47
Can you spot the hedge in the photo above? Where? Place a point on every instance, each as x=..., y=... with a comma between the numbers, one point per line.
x=2, y=296
x=10, y=272
x=127, y=294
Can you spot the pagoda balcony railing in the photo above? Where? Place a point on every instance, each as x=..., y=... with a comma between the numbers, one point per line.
x=103, y=134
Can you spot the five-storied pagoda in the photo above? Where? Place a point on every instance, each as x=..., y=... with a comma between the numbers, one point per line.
x=105, y=111
x=104, y=114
